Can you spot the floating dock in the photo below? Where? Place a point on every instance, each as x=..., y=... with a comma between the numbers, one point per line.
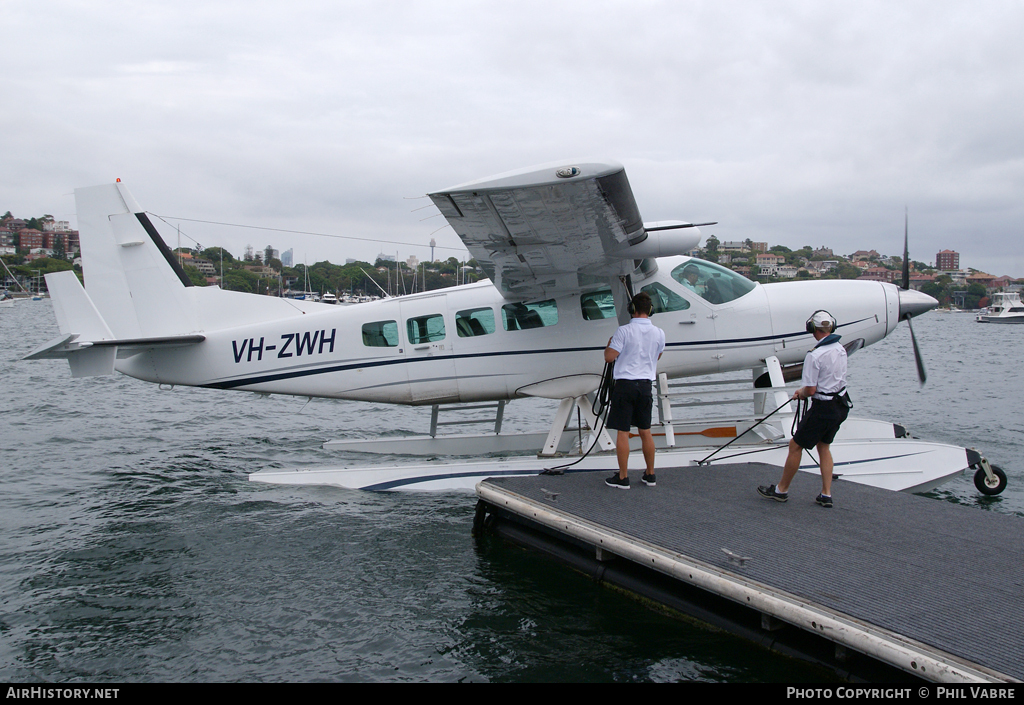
x=927, y=587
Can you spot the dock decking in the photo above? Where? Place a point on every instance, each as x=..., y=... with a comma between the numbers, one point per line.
x=926, y=586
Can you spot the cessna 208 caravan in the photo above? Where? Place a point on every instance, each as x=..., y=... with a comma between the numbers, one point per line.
x=563, y=246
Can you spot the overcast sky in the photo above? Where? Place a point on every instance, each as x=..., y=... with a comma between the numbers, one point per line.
x=797, y=123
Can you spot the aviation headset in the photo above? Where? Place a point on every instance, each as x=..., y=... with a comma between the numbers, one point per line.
x=645, y=303
x=831, y=319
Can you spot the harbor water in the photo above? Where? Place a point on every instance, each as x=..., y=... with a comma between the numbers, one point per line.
x=136, y=550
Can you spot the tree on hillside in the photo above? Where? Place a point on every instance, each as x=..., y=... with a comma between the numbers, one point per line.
x=214, y=254
x=195, y=276
x=845, y=270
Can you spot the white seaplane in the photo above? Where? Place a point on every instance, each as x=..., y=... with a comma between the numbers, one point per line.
x=564, y=247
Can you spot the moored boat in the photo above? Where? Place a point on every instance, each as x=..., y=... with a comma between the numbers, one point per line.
x=1006, y=307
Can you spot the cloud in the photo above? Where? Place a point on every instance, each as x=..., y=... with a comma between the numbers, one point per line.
x=798, y=122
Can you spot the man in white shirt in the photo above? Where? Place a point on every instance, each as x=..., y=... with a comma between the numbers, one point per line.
x=824, y=382
x=691, y=279
x=635, y=349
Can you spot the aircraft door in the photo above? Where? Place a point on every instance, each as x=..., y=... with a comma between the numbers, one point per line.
x=383, y=378
x=690, y=329
x=745, y=331
x=428, y=350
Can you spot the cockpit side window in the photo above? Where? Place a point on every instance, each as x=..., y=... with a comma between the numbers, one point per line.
x=598, y=305
x=712, y=282
x=664, y=299
x=475, y=321
x=521, y=316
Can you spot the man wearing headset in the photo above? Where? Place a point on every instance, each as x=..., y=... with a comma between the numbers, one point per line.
x=824, y=382
x=635, y=349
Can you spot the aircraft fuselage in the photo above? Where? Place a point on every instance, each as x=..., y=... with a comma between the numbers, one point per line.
x=468, y=343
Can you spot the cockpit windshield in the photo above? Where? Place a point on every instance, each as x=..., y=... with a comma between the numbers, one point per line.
x=712, y=282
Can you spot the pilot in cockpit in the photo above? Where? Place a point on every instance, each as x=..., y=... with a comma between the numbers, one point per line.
x=691, y=279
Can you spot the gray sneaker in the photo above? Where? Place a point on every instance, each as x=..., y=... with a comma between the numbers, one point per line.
x=621, y=483
x=824, y=501
x=770, y=492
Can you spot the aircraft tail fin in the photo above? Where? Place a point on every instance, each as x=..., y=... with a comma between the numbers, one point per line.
x=132, y=277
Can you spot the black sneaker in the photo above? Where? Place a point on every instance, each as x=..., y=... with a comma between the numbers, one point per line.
x=824, y=501
x=770, y=492
x=649, y=480
x=618, y=482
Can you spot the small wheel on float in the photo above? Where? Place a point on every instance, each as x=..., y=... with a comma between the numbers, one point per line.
x=990, y=487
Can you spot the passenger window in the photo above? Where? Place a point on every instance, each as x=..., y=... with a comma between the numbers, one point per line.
x=474, y=322
x=519, y=316
x=664, y=299
x=598, y=305
x=425, y=329
x=380, y=334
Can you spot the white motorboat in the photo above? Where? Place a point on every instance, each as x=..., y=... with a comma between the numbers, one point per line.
x=1006, y=307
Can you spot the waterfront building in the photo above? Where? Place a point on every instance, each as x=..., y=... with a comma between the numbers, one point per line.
x=881, y=274
x=768, y=264
x=917, y=280
x=733, y=246
x=861, y=255
x=29, y=239
x=823, y=266
x=982, y=278
x=947, y=261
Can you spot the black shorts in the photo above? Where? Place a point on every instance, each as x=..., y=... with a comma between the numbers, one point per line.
x=630, y=405
x=821, y=423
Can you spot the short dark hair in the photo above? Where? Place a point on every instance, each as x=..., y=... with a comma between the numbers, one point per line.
x=642, y=303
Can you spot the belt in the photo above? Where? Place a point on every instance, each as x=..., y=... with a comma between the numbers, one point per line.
x=826, y=396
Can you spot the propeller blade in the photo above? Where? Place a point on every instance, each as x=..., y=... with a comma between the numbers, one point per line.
x=906, y=251
x=921, y=374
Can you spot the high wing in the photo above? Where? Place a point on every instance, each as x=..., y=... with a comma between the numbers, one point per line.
x=557, y=227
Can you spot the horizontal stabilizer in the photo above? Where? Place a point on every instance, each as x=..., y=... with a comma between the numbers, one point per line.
x=85, y=360
x=85, y=341
x=67, y=345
